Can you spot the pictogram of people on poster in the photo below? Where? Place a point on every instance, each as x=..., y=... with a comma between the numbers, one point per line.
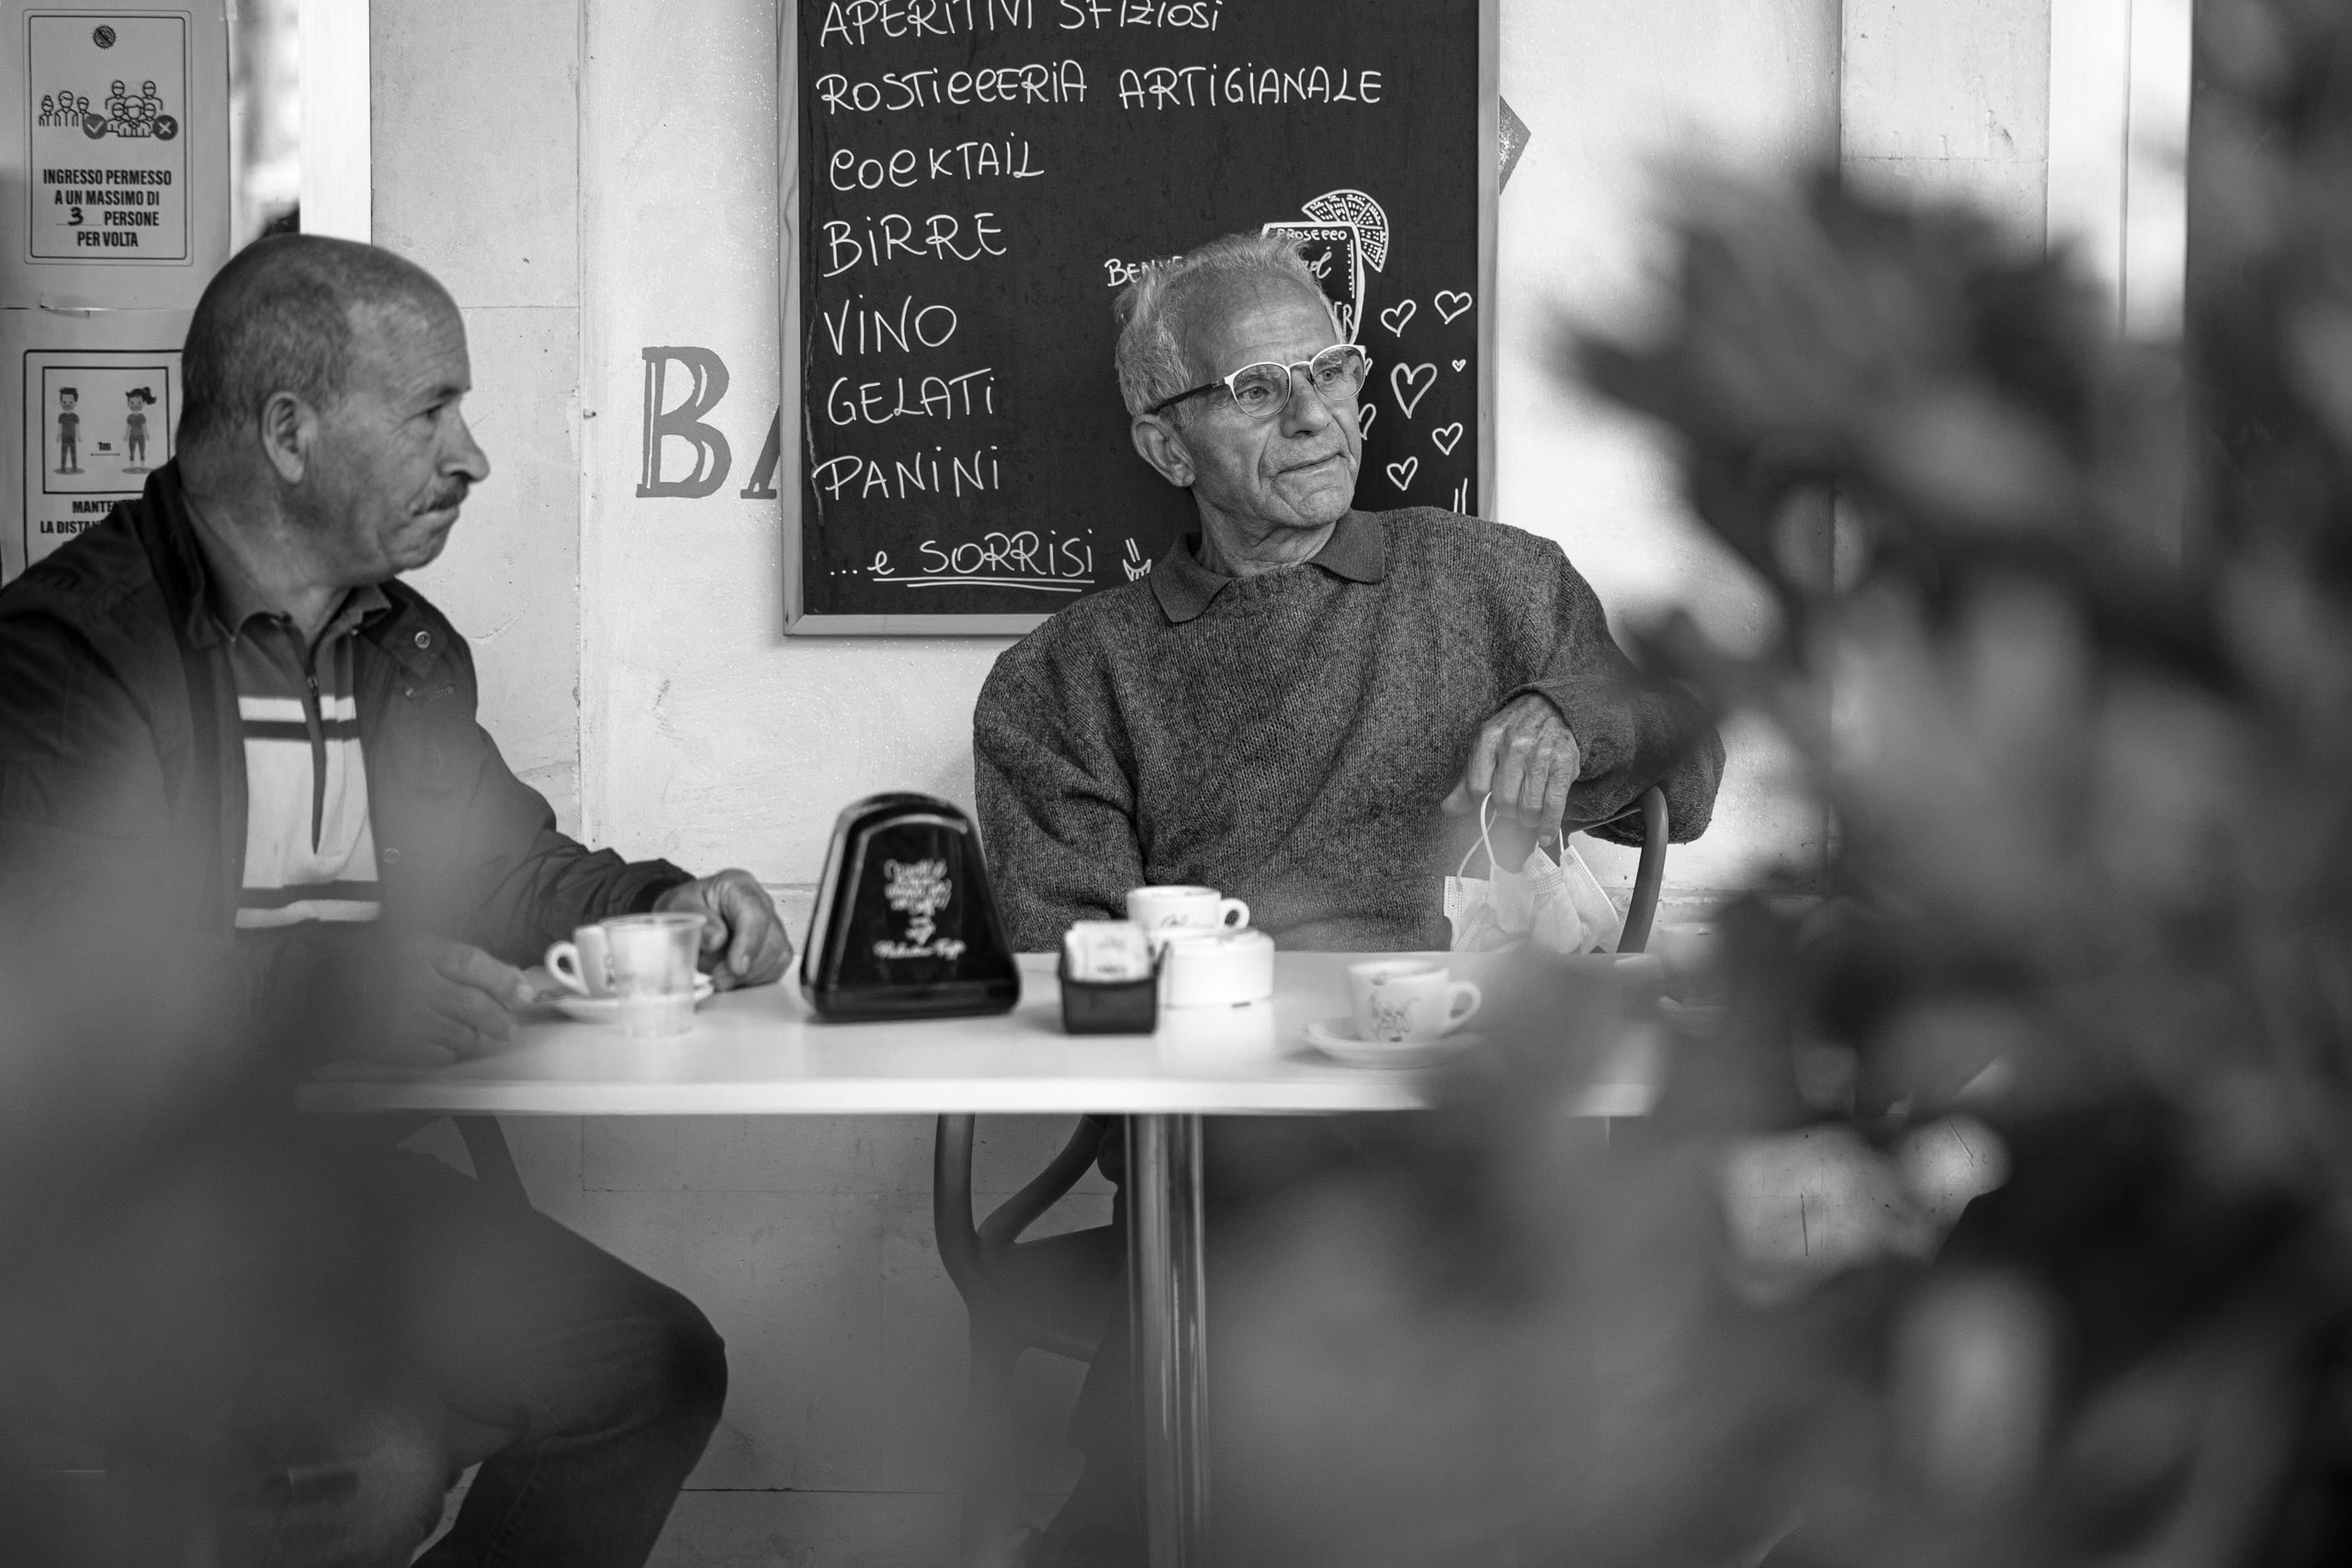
x=134, y=429
x=63, y=109
x=126, y=113
x=69, y=431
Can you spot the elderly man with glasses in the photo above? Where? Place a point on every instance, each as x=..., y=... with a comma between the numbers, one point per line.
x=1304, y=705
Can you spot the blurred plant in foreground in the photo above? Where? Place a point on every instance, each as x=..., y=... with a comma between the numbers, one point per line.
x=2077, y=689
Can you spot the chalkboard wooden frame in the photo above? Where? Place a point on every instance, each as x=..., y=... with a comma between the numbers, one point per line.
x=791, y=446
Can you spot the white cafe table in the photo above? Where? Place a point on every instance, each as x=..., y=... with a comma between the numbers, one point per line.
x=763, y=1053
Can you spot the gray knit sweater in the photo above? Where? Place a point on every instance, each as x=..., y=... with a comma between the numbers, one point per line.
x=1287, y=738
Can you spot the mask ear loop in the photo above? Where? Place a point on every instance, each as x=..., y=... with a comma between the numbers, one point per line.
x=1557, y=833
x=1486, y=824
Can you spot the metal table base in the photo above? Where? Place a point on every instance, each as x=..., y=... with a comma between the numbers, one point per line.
x=1168, y=1292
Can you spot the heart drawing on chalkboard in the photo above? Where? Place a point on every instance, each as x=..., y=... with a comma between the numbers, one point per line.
x=1366, y=414
x=1447, y=436
x=1401, y=474
x=1412, y=383
x=1450, y=304
x=1396, y=315
x=1458, y=365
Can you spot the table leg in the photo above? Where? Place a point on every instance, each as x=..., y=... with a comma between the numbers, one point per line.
x=1166, y=1284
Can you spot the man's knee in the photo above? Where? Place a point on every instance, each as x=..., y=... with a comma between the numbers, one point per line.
x=690, y=1361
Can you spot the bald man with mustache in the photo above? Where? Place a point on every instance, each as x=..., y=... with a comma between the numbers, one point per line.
x=223, y=710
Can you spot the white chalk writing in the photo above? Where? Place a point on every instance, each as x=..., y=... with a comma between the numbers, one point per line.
x=888, y=235
x=1236, y=86
x=916, y=474
x=1061, y=81
x=905, y=168
x=855, y=22
x=1200, y=15
x=934, y=396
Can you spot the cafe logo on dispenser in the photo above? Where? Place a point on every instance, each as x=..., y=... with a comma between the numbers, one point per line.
x=919, y=890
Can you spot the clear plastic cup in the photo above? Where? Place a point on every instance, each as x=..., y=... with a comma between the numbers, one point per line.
x=651, y=961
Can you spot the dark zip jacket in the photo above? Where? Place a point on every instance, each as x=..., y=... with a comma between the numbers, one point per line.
x=122, y=767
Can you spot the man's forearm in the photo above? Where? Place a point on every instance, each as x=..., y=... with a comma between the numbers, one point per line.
x=1660, y=737
x=559, y=884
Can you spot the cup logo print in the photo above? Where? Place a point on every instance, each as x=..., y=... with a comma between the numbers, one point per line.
x=918, y=889
x=1392, y=1020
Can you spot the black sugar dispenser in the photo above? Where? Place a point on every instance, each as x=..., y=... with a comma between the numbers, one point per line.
x=906, y=926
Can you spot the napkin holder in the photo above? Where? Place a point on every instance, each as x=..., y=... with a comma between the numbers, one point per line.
x=906, y=925
x=1111, y=1007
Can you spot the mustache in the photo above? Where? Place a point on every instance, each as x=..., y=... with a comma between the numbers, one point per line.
x=441, y=498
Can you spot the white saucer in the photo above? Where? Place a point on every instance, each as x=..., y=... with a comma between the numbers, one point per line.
x=1336, y=1038
x=607, y=1009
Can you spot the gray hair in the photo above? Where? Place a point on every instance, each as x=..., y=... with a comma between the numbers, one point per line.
x=1154, y=310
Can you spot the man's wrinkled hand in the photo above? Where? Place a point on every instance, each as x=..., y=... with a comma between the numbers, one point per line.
x=454, y=1000
x=1526, y=759
x=744, y=942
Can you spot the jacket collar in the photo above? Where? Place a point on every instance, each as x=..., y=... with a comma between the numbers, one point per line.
x=160, y=522
x=1357, y=551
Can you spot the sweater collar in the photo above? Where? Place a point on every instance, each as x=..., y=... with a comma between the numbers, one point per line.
x=1357, y=551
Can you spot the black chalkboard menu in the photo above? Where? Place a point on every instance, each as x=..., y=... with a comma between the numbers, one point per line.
x=966, y=184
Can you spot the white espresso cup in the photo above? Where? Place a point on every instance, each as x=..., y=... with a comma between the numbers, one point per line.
x=652, y=960
x=1185, y=908
x=579, y=964
x=1409, y=1002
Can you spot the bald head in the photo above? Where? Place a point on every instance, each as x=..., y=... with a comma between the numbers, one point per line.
x=278, y=318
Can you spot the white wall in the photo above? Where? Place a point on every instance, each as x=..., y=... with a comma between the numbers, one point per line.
x=1985, y=135
x=1612, y=93
x=476, y=175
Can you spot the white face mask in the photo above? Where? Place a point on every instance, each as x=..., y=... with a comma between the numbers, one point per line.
x=1547, y=905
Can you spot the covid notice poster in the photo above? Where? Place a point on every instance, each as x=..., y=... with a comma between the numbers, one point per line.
x=93, y=402
x=108, y=96
x=114, y=153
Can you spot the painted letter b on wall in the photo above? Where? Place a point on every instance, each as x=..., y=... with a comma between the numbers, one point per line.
x=684, y=423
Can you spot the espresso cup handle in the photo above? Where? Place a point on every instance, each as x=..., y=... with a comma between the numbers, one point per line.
x=1456, y=1014
x=563, y=962
x=1232, y=914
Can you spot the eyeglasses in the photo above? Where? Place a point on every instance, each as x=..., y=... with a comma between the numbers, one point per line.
x=1262, y=390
